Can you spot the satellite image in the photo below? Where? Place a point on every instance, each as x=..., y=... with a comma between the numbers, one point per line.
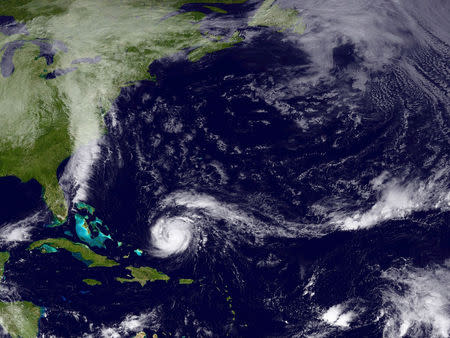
x=234, y=168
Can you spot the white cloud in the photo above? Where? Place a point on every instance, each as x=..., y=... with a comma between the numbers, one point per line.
x=418, y=302
x=14, y=233
x=171, y=235
x=132, y=324
x=398, y=198
x=338, y=316
x=79, y=170
x=204, y=210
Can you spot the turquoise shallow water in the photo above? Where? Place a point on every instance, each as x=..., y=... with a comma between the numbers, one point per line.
x=300, y=185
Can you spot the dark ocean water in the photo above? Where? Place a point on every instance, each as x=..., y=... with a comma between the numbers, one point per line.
x=271, y=175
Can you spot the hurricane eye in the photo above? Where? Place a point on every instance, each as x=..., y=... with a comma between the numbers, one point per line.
x=170, y=236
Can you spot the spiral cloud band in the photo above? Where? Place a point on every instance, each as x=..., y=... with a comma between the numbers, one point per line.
x=171, y=236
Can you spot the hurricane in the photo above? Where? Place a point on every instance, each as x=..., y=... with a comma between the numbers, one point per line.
x=229, y=168
x=170, y=236
x=190, y=221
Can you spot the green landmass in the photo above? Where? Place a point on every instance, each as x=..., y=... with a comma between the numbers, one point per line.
x=4, y=257
x=20, y=319
x=230, y=304
x=143, y=275
x=45, y=248
x=55, y=223
x=271, y=15
x=89, y=281
x=44, y=121
x=34, y=122
x=94, y=237
x=141, y=334
x=90, y=209
x=214, y=46
x=78, y=250
x=216, y=9
x=185, y=281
